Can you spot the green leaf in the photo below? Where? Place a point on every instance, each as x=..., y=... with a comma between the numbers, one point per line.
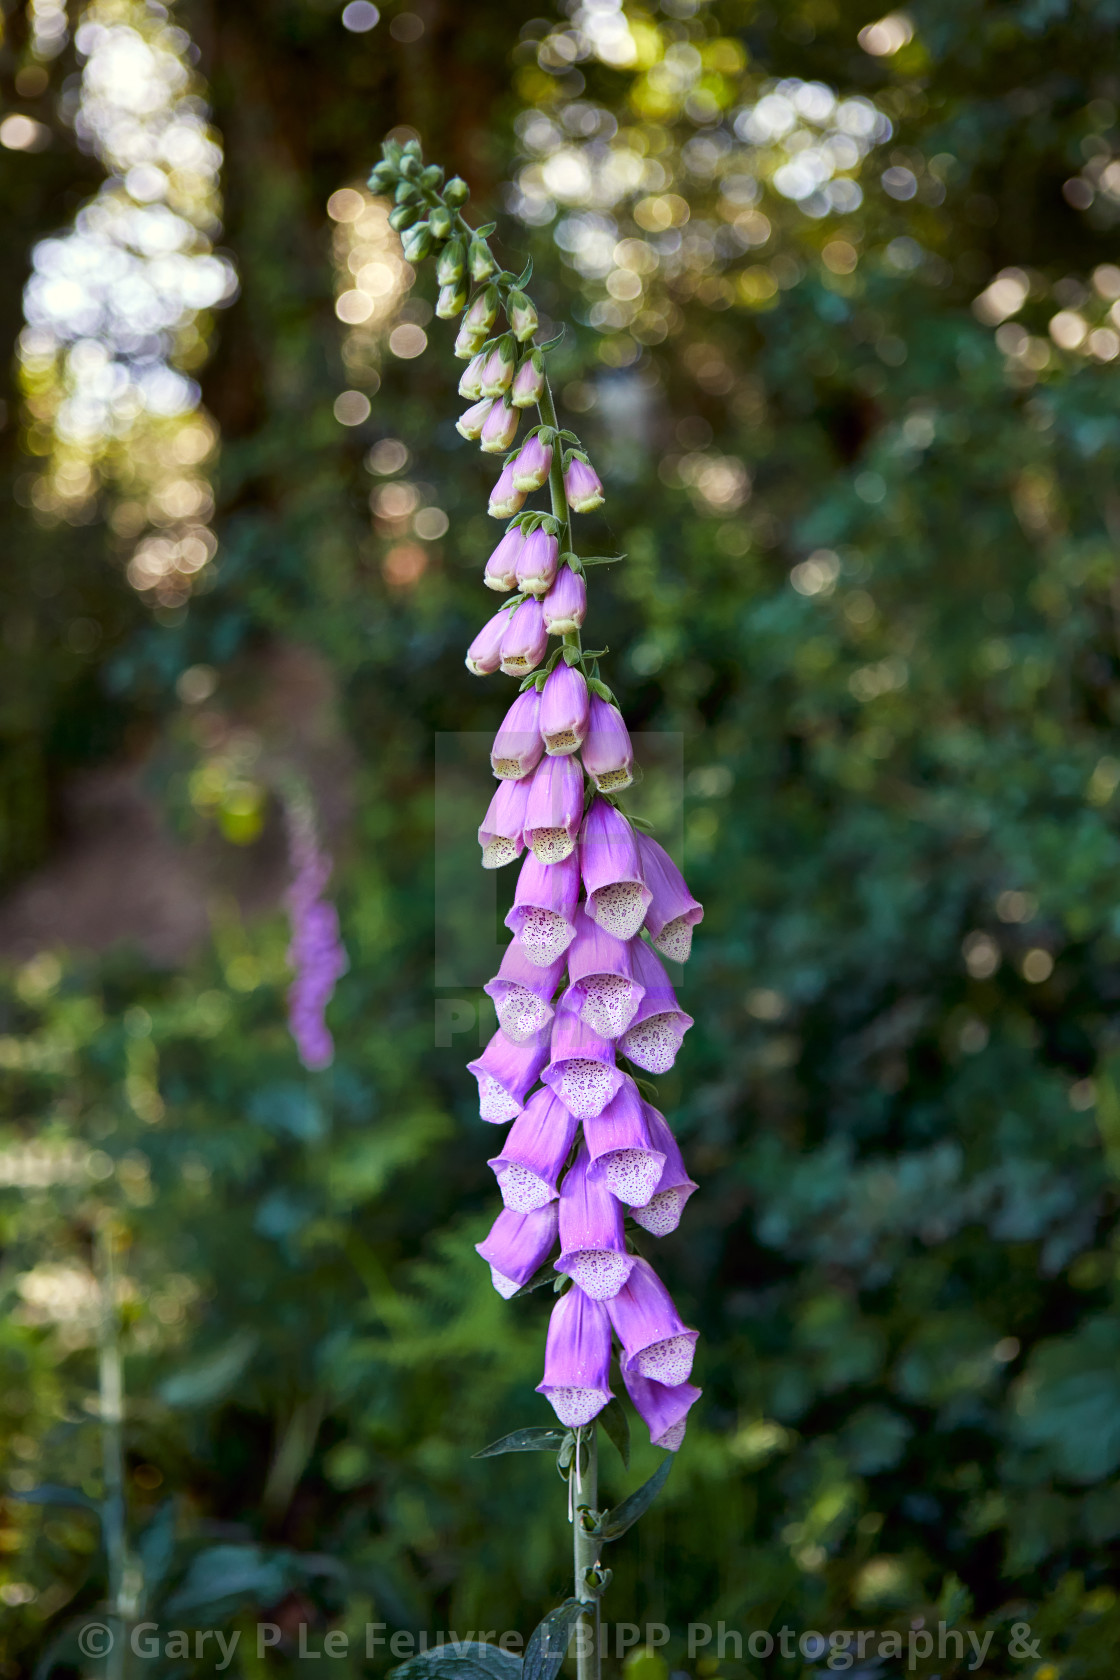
x=602, y=559
x=234, y=1572
x=461, y=1659
x=551, y=343
x=209, y=1379
x=572, y=656
x=604, y=693
x=548, y=1642
x=485, y=230
x=53, y=1493
x=525, y=1440
x=614, y=1523
x=617, y=1426
x=525, y=276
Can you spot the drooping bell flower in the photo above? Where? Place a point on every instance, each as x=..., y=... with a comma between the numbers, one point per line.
x=528, y=382
x=502, y=833
x=505, y=498
x=499, y=430
x=607, y=754
x=452, y=300
x=617, y=896
x=592, y=1233
x=473, y=419
x=583, y=485
x=533, y=1155
x=533, y=464
x=470, y=385
x=497, y=373
x=662, y=1213
x=664, y=1410
x=501, y=568
x=522, y=992
x=577, y=1359
x=505, y=1071
x=563, y=716
x=518, y=1245
x=468, y=343
x=555, y=808
x=655, y=1340
x=483, y=312
x=525, y=642
x=521, y=312
x=544, y=908
x=582, y=1070
x=623, y=1154
x=673, y=912
x=536, y=563
x=485, y=652
x=565, y=605
x=654, y=1035
x=602, y=983
x=518, y=747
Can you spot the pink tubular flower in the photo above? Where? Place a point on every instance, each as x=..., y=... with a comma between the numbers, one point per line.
x=601, y=979
x=592, y=1235
x=473, y=419
x=583, y=485
x=623, y=1153
x=485, y=652
x=536, y=563
x=563, y=719
x=501, y=568
x=544, y=908
x=502, y=834
x=505, y=1071
x=497, y=372
x=518, y=1245
x=315, y=953
x=655, y=1341
x=577, y=1359
x=528, y=382
x=607, y=754
x=522, y=992
x=470, y=385
x=533, y=464
x=582, y=1070
x=654, y=1035
x=673, y=912
x=499, y=430
x=552, y=816
x=518, y=747
x=468, y=342
x=565, y=605
x=505, y=498
x=664, y=1410
x=534, y=1153
x=617, y=896
x=662, y=1213
x=525, y=642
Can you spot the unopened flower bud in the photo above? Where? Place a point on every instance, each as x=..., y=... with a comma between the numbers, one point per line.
x=497, y=375
x=526, y=640
x=470, y=385
x=470, y=424
x=456, y=192
x=528, y=382
x=451, y=301
x=501, y=568
x=533, y=464
x=417, y=242
x=583, y=486
x=563, y=714
x=484, y=653
x=440, y=223
x=499, y=429
x=468, y=343
x=607, y=754
x=536, y=563
x=432, y=176
x=565, y=605
x=522, y=316
x=483, y=312
x=505, y=498
x=403, y=216
x=451, y=264
x=482, y=264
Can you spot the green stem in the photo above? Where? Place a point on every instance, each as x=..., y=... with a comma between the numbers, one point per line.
x=584, y=1494
x=110, y=1376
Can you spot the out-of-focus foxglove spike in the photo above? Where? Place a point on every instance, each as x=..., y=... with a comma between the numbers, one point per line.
x=582, y=1070
x=592, y=1232
x=662, y=1213
x=528, y=382
x=617, y=896
x=471, y=422
x=602, y=982
x=673, y=912
x=501, y=568
x=555, y=807
x=533, y=464
x=518, y=747
x=505, y=498
x=654, y=1035
x=505, y=1071
x=577, y=1359
x=522, y=315
x=607, y=754
x=565, y=605
x=499, y=430
x=518, y=1245
x=664, y=1410
x=536, y=564
x=655, y=1340
x=470, y=385
x=483, y=312
x=485, y=653
x=502, y=831
x=583, y=485
x=525, y=642
x=534, y=1153
x=544, y=908
x=497, y=375
x=564, y=710
x=522, y=992
x=623, y=1154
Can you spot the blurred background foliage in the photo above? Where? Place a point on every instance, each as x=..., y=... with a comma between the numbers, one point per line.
x=843, y=329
